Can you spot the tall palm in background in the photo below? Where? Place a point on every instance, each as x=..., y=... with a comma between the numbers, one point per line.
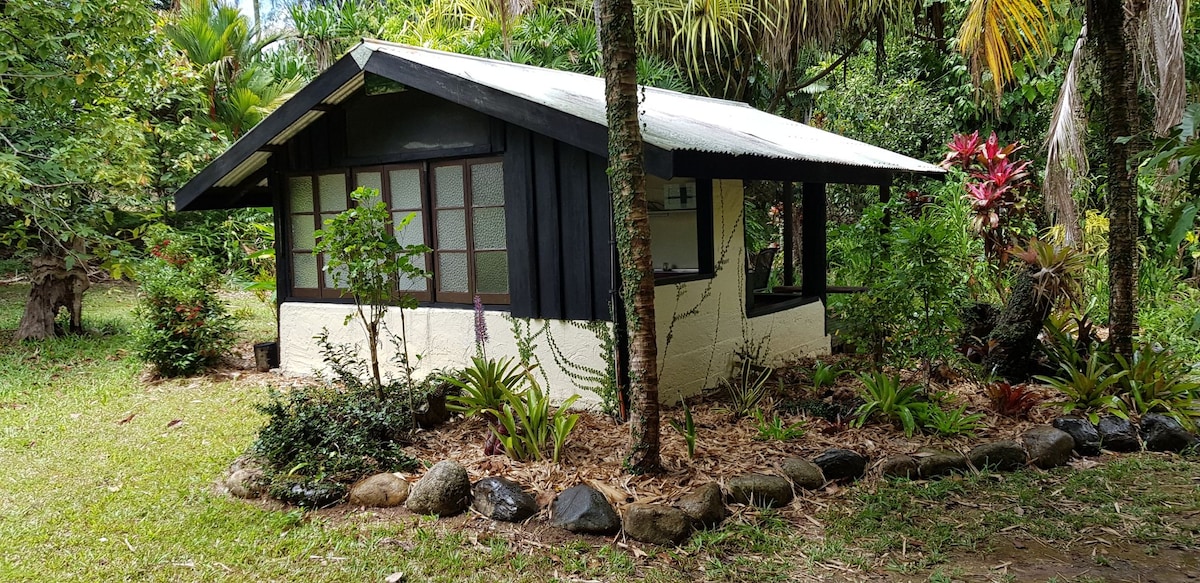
x=1133, y=41
x=220, y=43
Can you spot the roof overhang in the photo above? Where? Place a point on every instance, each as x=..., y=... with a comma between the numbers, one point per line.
x=684, y=135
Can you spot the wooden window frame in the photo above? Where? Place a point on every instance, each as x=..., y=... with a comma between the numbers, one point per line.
x=426, y=169
x=468, y=209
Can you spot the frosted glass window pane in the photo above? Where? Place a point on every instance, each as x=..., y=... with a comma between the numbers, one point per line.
x=406, y=188
x=302, y=232
x=304, y=270
x=333, y=192
x=334, y=277
x=491, y=272
x=411, y=284
x=413, y=233
x=489, y=228
x=452, y=230
x=453, y=270
x=371, y=180
x=449, y=183
x=300, y=190
x=487, y=184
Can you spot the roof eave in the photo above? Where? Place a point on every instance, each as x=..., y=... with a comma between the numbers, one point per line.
x=186, y=198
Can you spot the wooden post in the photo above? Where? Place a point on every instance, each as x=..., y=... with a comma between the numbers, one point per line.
x=814, y=258
x=789, y=237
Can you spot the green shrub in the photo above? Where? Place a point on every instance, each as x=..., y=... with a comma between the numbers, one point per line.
x=334, y=434
x=184, y=327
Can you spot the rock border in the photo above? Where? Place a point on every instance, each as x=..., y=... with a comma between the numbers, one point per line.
x=583, y=509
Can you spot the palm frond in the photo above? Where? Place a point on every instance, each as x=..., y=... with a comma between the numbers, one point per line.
x=1161, y=40
x=997, y=31
x=1066, y=157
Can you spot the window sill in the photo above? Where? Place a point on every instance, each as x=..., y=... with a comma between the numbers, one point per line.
x=679, y=276
x=777, y=303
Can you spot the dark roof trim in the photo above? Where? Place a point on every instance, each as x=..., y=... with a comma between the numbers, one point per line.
x=583, y=134
x=306, y=99
x=715, y=165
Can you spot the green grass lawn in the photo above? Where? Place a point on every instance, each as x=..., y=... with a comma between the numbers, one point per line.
x=106, y=477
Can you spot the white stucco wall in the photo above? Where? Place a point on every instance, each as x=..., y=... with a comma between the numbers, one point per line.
x=702, y=328
x=702, y=325
x=444, y=338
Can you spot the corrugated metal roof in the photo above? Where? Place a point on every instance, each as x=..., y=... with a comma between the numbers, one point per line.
x=670, y=120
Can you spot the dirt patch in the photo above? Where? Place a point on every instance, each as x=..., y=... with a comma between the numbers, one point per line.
x=1016, y=559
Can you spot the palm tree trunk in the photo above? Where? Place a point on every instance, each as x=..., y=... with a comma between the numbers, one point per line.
x=627, y=179
x=1115, y=40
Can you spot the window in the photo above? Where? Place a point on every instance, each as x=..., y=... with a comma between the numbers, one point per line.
x=313, y=198
x=459, y=213
x=681, y=228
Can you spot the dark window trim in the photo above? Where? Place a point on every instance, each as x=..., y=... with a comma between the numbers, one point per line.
x=660, y=279
x=783, y=306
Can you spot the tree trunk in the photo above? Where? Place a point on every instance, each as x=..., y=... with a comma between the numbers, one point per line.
x=1017, y=330
x=1115, y=40
x=53, y=287
x=627, y=180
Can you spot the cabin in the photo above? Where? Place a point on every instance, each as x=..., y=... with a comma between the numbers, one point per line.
x=504, y=167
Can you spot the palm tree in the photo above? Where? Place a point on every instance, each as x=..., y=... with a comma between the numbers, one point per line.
x=219, y=42
x=627, y=179
x=995, y=31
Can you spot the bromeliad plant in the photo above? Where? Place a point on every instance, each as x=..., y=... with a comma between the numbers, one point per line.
x=825, y=375
x=527, y=427
x=687, y=428
x=950, y=422
x=1157, y=381
x=1090, y=391
x=745, y=394
x=885, y=397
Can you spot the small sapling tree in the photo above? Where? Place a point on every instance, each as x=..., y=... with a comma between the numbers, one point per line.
x=366, y=260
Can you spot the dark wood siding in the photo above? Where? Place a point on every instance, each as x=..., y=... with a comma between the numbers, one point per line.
x=558, y=211
x=563, y=252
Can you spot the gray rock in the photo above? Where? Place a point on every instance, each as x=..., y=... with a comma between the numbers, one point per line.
x=1087, y=438
x=657, y=524
x=803, y=473
x=502, y=499
x=314, y=494
x=704, y=505
x=1001, y=456
x=379, y=491
x=840, y=464
x=444, y=490
x=938, y=463
x=248, y=482
x=899, y=466
x=1048, y=447
x=760, y=490
x=583, y=509
x=1163, y=433
x=1118, y=434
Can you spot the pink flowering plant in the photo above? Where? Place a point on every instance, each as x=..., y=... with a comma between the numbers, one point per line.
x=997, y=187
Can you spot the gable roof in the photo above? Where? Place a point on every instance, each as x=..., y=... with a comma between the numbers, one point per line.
x=685, y=135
